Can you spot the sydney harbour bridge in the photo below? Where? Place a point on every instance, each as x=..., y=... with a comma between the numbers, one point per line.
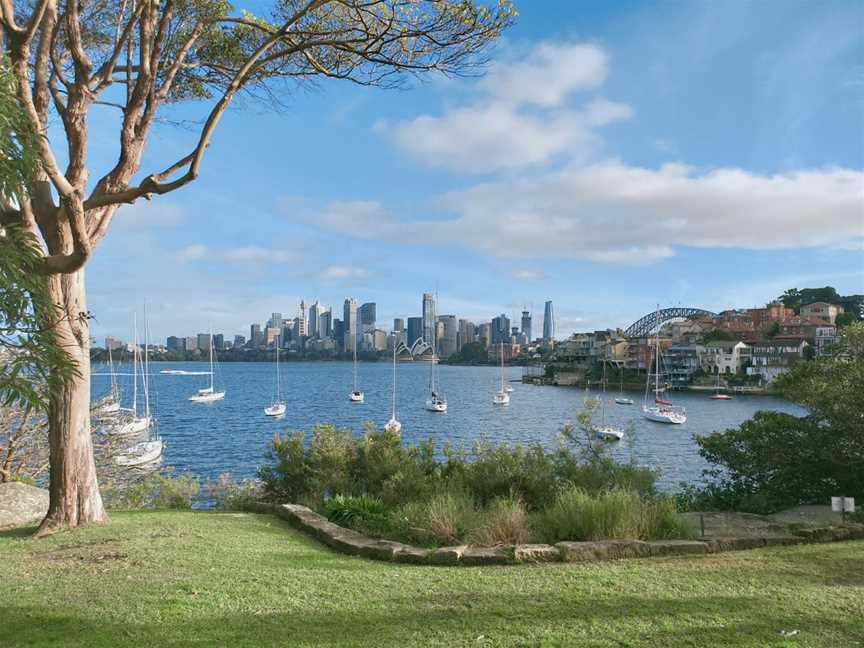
x=655, y=319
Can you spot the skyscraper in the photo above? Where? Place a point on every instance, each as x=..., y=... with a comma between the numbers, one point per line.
x=465, y=335
x=219, y=342
x=239, y=341
x=398, y=324
x=275, y=320
x=500, y=329
x=302, y=326
x=428, y=317
x=256, y=337
x=325, y=326
x=447, y=341
x=316, y=310
x=526, y=324
x=548, y=322
x=415, y=330
x=204, y=341
x=349, y=322
x=173, y=343
x=367, y=317
x=485, y=334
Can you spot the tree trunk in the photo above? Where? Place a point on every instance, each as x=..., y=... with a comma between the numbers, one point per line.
x=74, y=492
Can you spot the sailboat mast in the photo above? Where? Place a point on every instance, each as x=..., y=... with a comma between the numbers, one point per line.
x=355, y=360
x=145, y=378
x=212, y=386
x=657, y=347
x=394, y=379
x=135, y=365
x=502, y=366
x=278, y=381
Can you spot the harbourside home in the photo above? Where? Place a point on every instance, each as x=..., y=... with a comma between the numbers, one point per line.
x=773, y=312
x=690, y=331
x=823, y=311
x=770, y=358
x=640, y=351
x=801, y=325
x=824, y=338
x=721, y=356
x=682, y=360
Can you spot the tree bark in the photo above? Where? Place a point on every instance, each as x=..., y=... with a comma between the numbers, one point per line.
x=74, y=492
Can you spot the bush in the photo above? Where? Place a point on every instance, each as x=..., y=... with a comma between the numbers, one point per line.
x=230, y=495
x=445, y=519
x=364, y=513
x=502, y=523
x=578, y=515
x=157, y=492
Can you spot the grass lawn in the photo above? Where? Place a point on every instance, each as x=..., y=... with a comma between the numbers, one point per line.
x=211, y=579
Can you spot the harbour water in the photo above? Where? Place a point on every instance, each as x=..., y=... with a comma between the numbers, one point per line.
x=231, y=435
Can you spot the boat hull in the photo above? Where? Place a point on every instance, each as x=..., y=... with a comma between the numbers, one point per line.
x=277, y=409
x=207, y=398
x=501, y=398
x=141, y=454
x=624, y=401
x=393, y=426
x=133, y=426
x=356, y=397
x=721, y=397
x=436, y=406
x=664, y=415
x=610, y=433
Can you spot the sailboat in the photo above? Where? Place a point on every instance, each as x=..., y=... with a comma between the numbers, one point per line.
x=436, y=402
x=110, y=403
x=208, y=394
x=608, y=432
x=622, y=399
x=393, y=425
x=131, y=422
x=501, y=396
x=277, y=407
x=662, y=411
x=717, y=395
x=356, y=396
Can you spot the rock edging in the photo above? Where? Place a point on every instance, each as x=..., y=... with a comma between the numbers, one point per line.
x=354, y=543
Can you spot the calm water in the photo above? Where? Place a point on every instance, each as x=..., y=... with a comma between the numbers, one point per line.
x=231, y=435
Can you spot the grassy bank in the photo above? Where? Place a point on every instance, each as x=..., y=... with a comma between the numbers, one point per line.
x=170, y=579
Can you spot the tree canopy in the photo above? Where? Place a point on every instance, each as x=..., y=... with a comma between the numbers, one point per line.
x=795, y=299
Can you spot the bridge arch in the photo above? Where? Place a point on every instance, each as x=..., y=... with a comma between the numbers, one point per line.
x=655, y=319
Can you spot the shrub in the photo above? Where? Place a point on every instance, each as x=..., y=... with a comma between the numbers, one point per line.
x=230, y=495
x=364, y=513
x=445, y=519
x=502, y=523
x=157, y=492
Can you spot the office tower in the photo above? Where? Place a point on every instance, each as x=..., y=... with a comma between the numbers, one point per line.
x=301, y=323
x=367, y=317
x=316, y=313
x=219, y=342
x=415, y=330
x=398, y=324
x=190, y=344
x=548, y=322
x=500, y=329
x=338, y=332
x=275, y=321
x=204, y=341
x=465, y=334
x=274, y=336
x=526, y=324
x=448, y=334
x=349, y=322
x=173, y=343
x=113, y=343
x=325, y=327
x=239, y=341
x=428, y=317
x=255, y=335
x=485, y=334
x=379, y=340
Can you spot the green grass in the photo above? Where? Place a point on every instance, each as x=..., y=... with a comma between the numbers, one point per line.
x=210, y=579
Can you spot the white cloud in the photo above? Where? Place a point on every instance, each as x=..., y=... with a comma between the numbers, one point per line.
x=529, y=275
x=145, y=214
x=615, y=213
x=520, y=117
x=250, y=254
x=338, y=273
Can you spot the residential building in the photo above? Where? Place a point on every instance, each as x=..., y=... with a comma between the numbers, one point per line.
x=641, y=351
x=737, y=322
x=415, y=330
x=449, y=332
x=804, y=326
x=722, y=356
x=190, y=344
x=349, y=319
x=501, y=329
x=428, y=317
x=548, y=322
x=484, y=334
x=113, y=343
x=465, y=334
x=771, y=358
x=824, y=338
x=681, y=361
x=526, y=324
x=773, y=312
x=822, y=310
x=690, y=331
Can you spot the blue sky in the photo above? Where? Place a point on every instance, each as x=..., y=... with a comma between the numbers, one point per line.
x=616, y=155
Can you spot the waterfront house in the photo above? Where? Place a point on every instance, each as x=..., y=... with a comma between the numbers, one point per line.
x=722, y=356
x=770, y=358
x=824, y=338
x=822, y=311
x=682, y=360
x=773, y=312
x=801, y=325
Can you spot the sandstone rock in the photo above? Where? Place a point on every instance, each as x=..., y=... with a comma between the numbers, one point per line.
x=411, y=555
x=21, y=504
x=536, y=553
x=447, y=555
x=485, y=556
x=716, y=545
x=782, y=541
x=677, y=547
x=603, y=550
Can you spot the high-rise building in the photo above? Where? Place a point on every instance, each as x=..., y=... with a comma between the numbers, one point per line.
x=415, y=330
x=316, y=310
x=428, y=317
x=349, y=322
x=301, y=323
x=173, y=343
x=275, y=321
x=274, y=336
x=239, y=341
x=484, y=334
x=465, y=334
x=526, y=324
x=548, y=322
x=204, y=341
x=367, y=317
x=449, y=333
x=219, y=342
x=500, y=329
x=113, y=343
x=339, y=332
x=325, y=327
x=256, y=337
x=379, y=340
x=190, y=344
x=398, y=324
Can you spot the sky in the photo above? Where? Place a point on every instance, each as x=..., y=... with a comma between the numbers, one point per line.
x=614, y=156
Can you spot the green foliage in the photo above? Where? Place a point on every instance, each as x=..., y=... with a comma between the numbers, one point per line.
x=616, y=513
x=361, y=512
x=230, y=495
x=446, y=518
x=155, y=492
x=503, y=522
x=471, y=353
x=17, y=147
x=852, y=304
x=845, y=319
x=718, y=335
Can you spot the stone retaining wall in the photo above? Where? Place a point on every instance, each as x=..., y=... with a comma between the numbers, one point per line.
x=354, y=543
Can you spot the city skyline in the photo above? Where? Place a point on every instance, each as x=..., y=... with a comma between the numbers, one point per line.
x=611, y=178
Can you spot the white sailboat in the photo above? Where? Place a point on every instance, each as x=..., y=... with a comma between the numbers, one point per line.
x=608, y=432
x=622, y=399
x=110, y=403
x=131, y=423
x=717, y=395
x=393, y=425
x=501, y=396
x=277, y=407
x=436, y=402
x=356, y=396
x=208, y=394
x=662, y=411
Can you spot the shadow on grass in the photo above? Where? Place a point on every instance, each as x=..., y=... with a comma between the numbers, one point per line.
x=19, y=532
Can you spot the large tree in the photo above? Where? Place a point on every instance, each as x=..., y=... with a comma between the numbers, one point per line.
x=141, y=56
